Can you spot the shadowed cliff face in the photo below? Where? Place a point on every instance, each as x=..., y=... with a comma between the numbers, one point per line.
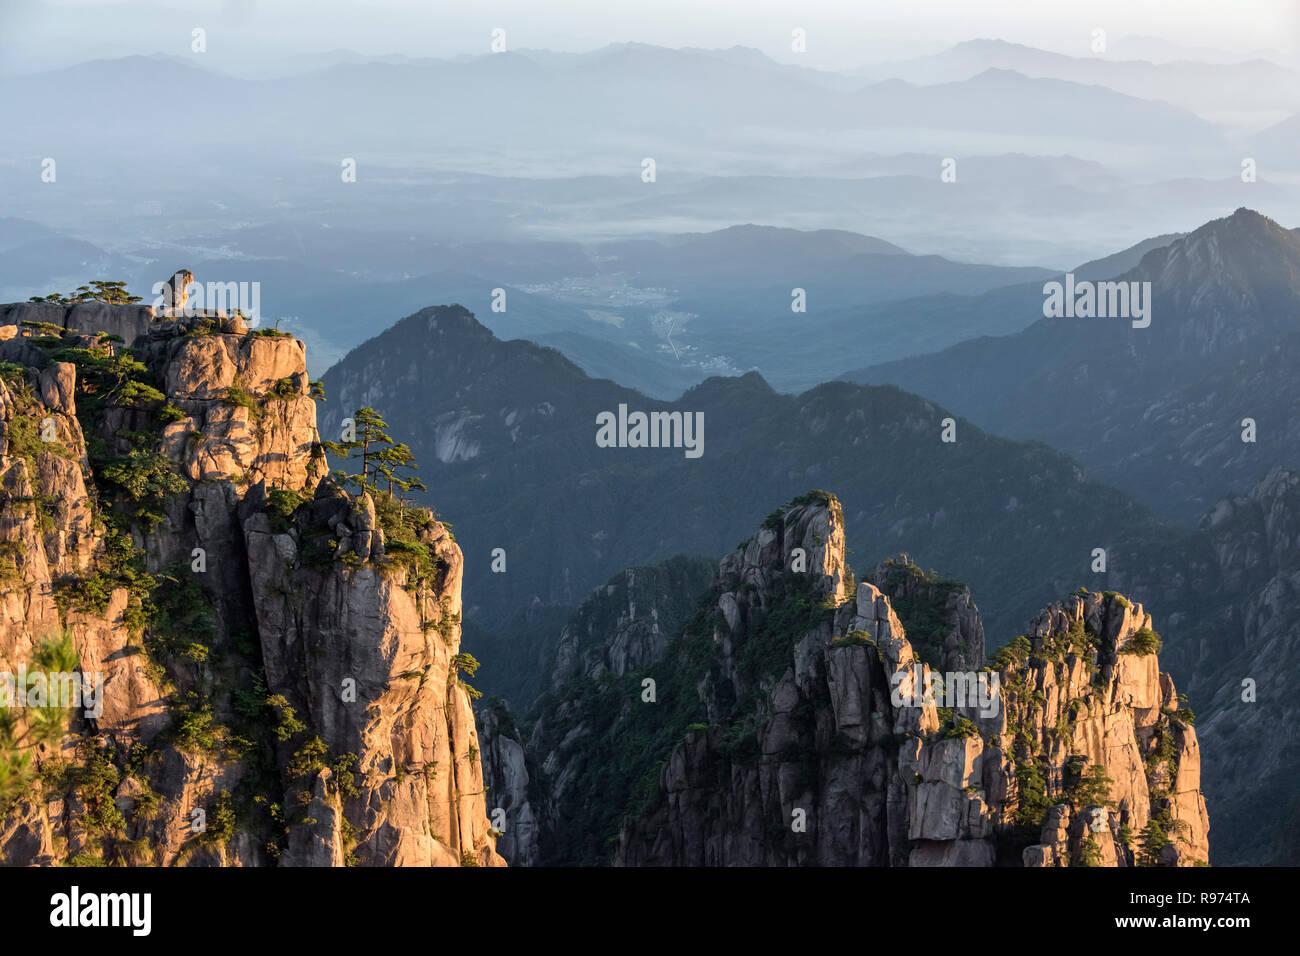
x=791, y=725
x=279, y=687
x=1165, y=417
x=1245, y=670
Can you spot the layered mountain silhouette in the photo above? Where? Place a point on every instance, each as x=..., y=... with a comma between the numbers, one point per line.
x=658, y=314
x=1196, y=86
x=544, y=98
x=1149, y=408
x=505, y=433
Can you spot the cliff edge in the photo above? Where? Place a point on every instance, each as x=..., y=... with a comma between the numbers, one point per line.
x=282, y=681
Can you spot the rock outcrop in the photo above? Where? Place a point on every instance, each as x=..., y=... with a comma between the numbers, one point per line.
x=625, y=625
x=281, y=665
x=175, y=292
x=942, y=621
x=1245, y=663
x=509, y=774
x=793, y=721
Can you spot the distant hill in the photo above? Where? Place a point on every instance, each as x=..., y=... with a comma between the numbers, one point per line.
x=503, y=97
x=505, y=434
x=1149, y=408
x=1183, y=81
x=656, y=314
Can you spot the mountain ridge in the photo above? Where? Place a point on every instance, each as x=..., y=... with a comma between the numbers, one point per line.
x=1223, y=293
x=775, y=733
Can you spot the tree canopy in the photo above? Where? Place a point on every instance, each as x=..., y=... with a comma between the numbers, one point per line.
x=100, y=290
x=384, y=462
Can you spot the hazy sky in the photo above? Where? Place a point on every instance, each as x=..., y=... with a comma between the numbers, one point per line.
x=840, y=33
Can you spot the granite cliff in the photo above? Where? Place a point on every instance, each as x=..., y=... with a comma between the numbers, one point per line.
x=280, y=657
x=787, y=722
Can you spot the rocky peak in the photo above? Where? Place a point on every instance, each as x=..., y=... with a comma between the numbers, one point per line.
x=939, y=613
x=280, y=656
x=806, y=536
x=802, y=727
x=1232, y=280
x=626, y=624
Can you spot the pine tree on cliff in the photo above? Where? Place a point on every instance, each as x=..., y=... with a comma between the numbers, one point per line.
x=363, y=433
x=101, y=290
x=387, y=463
x=381, y=457
x=25, y=729
x=1153, y=840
